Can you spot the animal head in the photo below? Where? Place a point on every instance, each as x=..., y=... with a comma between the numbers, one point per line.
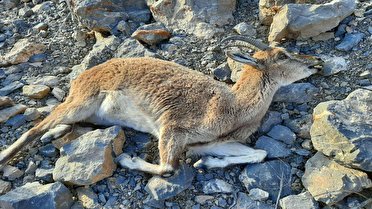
x=281, y=65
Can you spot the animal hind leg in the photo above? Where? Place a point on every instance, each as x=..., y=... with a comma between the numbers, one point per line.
x=220, y=155
x=68, y=112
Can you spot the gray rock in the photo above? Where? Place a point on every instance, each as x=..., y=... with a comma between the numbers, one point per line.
x=267, y=9
x=244, y=201
x=216, y=186
x=300, y=201
x=343, y=129
x=152, y=34
x=25, y=12
x=333, y=65
x=42, y=6
x=301, y=126
x=31, y=168
x=44, y=174
x=103, y=15
x=102, y=51
x=10, y=88
x=236, y=69
x=48, y=80
x=329, y=182
x=197, y=17
x=268, y=176
x=5, y=102
x=37, y=196
x=165, y=188
x=11, y=172
x=21, y=52
x=5, y=187
x=271, y=119
x=296, y=92
x=245, y=29
x=202, y=199
x=222, y=72
x=31, y=114
x=58, y=93
x=258, y=194
x=10, y=4
x=48, y=151
x=87, y=197
x=283, y=134
x=37, y=58
x=9, y=112
x=132, y=48
x=16, y=121
x=90, y=158
x=35, y=91
x=306, y=20
x=350, y=41
x=274, y=148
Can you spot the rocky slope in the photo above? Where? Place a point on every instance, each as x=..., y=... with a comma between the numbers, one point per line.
x=317, y=132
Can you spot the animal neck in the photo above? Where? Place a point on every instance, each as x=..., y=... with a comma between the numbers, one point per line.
x=254, y=92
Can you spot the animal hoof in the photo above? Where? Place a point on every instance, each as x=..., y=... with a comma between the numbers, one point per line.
x=126, y=161
x=200, y=164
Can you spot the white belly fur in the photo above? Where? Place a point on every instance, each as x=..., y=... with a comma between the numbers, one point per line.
x=120, y=109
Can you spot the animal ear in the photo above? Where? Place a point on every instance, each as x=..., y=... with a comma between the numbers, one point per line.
x=242, y=58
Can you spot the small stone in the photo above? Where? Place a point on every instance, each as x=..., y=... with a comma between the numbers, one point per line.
x=258, y=194
x=246, y=202
x=10, y=4
x=152, y=34
x=350, y=41
x=324, y=36
x=11, y=172
x=10, y=88
x=301, y=126
x=283, y=134
x=268, y=176
x=124, y=27
x=300, y=201
x=296, y=92
x=333, y=65
x=90, y=158
x=274, y=148
x=25, y=12
x=31, y=114
x=48, y=151
x=202, y=199
x=87, y=197
x=36, y=91
x=41, y=26
x=245, y=29
x=216, y=186
x=222, y=72
x=271, y=119
x=44, y=174
x=22, y=51
x=37, y=58
x=329, y=182
x=9, y=112
x=50, y=81
x=42, y=6
x=16, y=121
x=165, y=188
x=2, y=37
x=31, y=195
x=31, y=168
x=5, y=187
x=5, y=102
x=58, y=93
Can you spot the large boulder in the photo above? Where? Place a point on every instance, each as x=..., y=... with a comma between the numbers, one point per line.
x=329, y=182
x=104, y=15
x=37, y=196
x=307, y=20
x=197, y=17
x=90, y=158
x=343, y=129
x=21, y=52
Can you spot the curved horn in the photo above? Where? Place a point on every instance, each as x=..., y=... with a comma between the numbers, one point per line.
x=251, y=42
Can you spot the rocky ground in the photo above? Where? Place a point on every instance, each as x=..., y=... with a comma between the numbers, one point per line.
x=319, y=149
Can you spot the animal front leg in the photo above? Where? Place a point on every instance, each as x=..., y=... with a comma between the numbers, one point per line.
x=221, y=155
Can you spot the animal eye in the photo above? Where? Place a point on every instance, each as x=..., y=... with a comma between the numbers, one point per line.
x=282, y=56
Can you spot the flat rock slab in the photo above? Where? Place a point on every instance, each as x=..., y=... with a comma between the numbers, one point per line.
x=22, y=51
x=343, y=129
x=296, y=92
x=300, y=201
x=37, y=196
x=35, y=91
x=268, y=176
x=5, y=102
x=216, y=186
x=165, y=188
x=274, y=148
x=10, y=88
x=246, y=202
x=329, y=182
x=283, y=134
x=9, y=112
x=90, y=158
x=306, y=20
